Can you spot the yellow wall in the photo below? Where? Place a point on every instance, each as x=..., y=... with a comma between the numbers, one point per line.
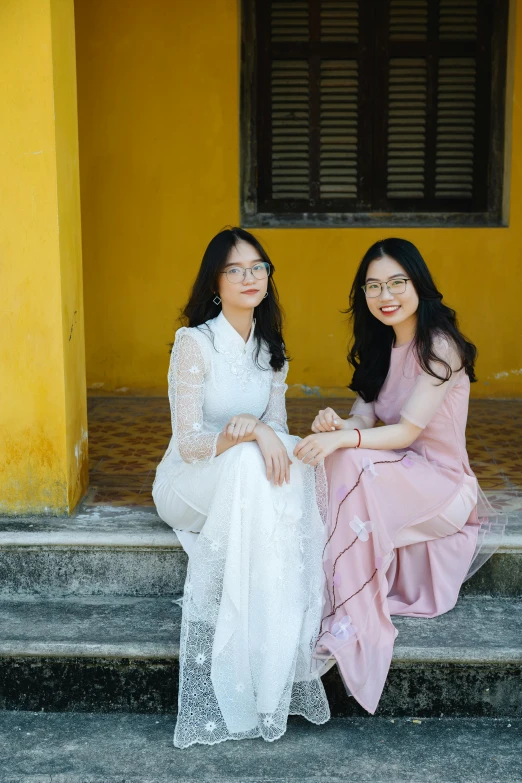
x=158, y=90
x=43, y=466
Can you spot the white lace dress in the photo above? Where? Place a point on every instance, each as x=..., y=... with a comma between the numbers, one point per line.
x=253, y=593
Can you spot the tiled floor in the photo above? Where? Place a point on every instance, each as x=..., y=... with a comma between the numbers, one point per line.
x=128, y=437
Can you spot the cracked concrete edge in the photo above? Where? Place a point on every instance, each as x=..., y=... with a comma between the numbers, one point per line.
x=150, y=650
x=509, y=544
x=87, y=538
x=147, y=650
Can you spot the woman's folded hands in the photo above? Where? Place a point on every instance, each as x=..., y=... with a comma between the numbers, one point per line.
x=239, y=428
x=327, y=421
x=246, y=427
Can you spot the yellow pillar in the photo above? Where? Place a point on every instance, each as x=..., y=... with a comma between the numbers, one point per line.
x=43, y=420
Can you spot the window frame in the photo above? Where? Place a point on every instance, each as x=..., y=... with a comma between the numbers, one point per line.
x=252, y=216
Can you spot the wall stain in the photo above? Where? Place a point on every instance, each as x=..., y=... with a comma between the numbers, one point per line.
x=73, y=325
x=31, y=475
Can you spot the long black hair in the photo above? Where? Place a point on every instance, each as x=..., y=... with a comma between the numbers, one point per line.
x=201, y=306
x=370, y=351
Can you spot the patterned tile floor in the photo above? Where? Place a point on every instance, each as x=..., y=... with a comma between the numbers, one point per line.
x=128, y=437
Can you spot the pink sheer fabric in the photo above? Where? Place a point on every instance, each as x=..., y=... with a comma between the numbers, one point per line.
x=406, y=527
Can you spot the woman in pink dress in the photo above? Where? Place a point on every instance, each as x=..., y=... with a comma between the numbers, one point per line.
x=407, y=519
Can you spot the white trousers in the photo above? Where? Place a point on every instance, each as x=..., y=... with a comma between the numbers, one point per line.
x=185, y=520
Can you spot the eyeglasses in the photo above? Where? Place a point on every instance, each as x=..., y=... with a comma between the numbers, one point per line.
x=395, y=286
x=236, y=274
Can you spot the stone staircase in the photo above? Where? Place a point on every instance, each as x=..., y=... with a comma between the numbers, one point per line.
x=89, y=623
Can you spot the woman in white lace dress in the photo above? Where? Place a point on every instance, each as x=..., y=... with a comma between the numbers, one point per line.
x=248, y=516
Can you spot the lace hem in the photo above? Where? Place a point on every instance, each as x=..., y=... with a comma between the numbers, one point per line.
x=259, y=734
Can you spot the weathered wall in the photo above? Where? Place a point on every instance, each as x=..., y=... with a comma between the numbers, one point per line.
x=70, y=246
x=43, y=465
x=159, y=146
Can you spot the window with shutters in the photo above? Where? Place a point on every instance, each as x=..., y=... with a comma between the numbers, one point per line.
x=373, y=112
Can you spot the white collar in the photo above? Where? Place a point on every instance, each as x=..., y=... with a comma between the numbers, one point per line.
x=225, y=328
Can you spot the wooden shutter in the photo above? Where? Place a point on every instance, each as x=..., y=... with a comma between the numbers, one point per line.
x=431, y=125
x=339, y=128
x=289, y=21
x=456, y=122
x=308, y=112
x=339, y=21
x=408, y=20
x=290, y=129
x=407, y=100
x=458, y=20
x=376, y=106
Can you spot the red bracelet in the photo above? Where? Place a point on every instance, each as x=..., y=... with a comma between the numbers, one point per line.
x=359, y=434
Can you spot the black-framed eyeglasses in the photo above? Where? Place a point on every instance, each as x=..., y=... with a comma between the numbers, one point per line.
x=395, y=286
x=236, y=274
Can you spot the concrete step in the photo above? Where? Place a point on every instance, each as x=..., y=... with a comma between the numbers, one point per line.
x=58, y=748
x=98, y=551
x=126, y=551
x=110, y=653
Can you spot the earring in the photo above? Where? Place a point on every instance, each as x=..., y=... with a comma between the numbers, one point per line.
x=217, y=299
x=265, y=296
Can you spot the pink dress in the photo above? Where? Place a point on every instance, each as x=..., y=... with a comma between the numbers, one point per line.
x=406, y=527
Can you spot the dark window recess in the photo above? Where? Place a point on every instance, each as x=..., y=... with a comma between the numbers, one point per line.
x=373, y=112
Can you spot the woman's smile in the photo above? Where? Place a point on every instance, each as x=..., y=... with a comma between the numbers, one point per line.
x=401, y=316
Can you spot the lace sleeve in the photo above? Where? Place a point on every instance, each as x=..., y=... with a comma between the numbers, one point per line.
x=275, y=413
x=429, y=393
x=186, y=386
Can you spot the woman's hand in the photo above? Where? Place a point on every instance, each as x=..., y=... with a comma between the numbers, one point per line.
x=327, y=421
x=240, y=427
x=314, y=448
x=274, y=453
